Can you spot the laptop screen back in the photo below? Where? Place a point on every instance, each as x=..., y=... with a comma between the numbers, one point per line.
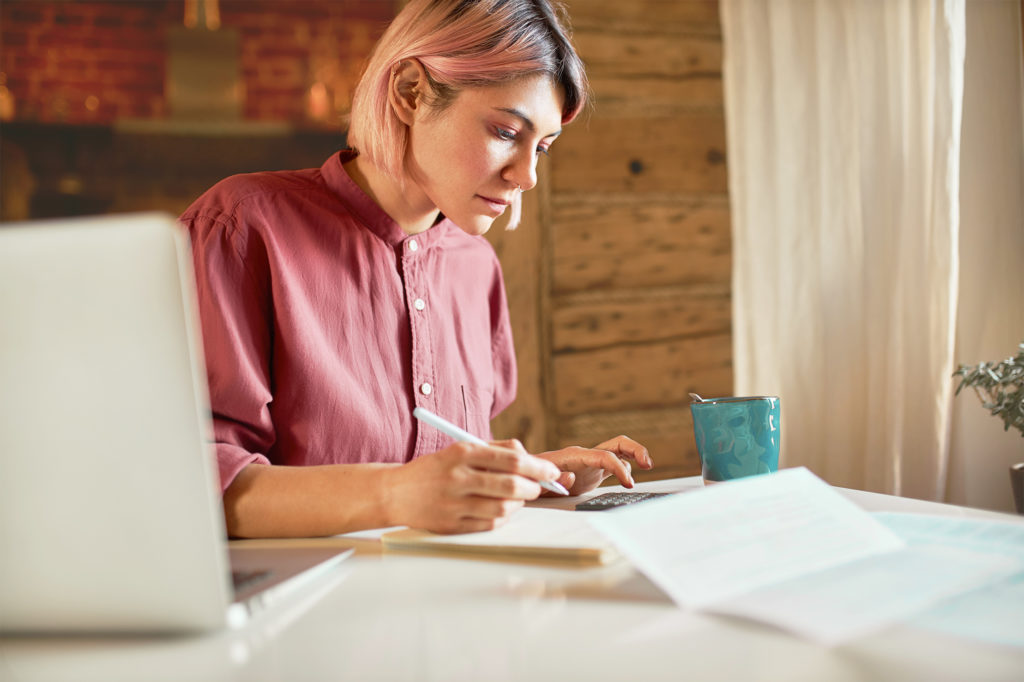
x=109, y=511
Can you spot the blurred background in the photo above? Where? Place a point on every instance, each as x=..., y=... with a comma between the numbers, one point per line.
x=621, y=277
x=122, y=106
x=138, y=105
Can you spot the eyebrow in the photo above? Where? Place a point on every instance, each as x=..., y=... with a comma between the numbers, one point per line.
x=526, y=120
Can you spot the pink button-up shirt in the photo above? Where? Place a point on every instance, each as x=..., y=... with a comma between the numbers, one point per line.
x=325, y=324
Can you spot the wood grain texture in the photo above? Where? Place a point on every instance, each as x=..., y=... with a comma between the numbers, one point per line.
x=682, y=153
x=668, y=56
x=691, y=17
x=602, y=319
x=648, y=375
x=613, y=243
x=642, y=95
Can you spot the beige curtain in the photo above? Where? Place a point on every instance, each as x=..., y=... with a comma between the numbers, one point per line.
x=990, y=319
x=843, y=125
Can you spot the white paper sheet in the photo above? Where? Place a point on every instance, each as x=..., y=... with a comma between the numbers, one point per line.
x=994, y=613
x=788, y=550
x=1005, y=538
x=731, y=538
x=845, y=602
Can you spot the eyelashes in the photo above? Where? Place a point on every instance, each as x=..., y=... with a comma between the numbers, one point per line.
x=511, y=136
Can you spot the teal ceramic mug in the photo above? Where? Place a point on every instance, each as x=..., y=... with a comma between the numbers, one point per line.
x=737, y=436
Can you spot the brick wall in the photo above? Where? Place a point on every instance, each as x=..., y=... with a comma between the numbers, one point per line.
x=97, y=62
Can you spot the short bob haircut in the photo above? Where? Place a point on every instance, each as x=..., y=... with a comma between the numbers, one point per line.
x=462, y=44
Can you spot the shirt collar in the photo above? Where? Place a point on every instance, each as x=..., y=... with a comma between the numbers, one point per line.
x=368, y=212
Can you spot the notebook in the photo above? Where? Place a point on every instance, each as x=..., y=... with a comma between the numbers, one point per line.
x=532, y=533
x=110, y=513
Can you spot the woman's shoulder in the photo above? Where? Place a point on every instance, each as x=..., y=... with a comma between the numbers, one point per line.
x=233, y=196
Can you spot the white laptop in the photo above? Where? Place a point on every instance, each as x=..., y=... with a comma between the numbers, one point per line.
x=110, y=512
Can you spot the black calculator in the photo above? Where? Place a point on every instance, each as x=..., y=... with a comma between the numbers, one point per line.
x=612, y=500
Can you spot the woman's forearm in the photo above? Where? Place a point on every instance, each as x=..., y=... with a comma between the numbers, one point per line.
x=461, y=488
x=313, y=501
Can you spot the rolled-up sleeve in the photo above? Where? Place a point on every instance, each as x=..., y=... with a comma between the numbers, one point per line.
x=234, y=307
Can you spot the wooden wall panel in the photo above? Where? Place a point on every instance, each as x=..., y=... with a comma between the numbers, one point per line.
x=612, y=243
x=650, y=375
x=603, y=319
x=681, y=153
x=668, y=56
x=644, y=95
x=675, y=17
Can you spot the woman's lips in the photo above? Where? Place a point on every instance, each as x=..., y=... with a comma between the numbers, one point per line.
x=496, y=206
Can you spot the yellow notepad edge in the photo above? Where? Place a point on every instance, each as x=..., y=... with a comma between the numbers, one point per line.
x=421, y=541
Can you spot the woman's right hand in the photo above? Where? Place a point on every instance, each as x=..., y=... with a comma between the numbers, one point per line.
x=465, y=488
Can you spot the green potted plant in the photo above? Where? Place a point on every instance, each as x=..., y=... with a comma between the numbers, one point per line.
x=1000, y=387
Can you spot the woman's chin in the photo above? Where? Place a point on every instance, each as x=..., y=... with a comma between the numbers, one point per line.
x=475, y=225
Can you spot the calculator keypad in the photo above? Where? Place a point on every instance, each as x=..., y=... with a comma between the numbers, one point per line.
x=612, y=500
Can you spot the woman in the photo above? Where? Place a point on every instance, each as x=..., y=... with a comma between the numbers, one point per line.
x=335, y=300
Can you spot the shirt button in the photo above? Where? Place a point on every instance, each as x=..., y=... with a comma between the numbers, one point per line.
x=413, y=245
x=426, y=388
x=419, y=304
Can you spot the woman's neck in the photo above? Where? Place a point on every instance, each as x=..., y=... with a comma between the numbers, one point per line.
x=411, y=209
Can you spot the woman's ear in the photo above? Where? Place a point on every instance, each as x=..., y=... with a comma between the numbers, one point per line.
x=406, y=88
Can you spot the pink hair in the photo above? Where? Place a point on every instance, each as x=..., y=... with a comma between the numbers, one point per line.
x=461, y=44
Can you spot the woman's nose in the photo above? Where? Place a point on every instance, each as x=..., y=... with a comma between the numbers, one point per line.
x=523, y=171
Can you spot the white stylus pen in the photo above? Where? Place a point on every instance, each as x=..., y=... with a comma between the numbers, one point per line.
x=449, y=429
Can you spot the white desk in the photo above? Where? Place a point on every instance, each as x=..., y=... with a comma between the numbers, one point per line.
x=391, y=616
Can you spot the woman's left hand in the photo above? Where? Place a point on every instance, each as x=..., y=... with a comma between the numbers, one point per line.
x=584, y=469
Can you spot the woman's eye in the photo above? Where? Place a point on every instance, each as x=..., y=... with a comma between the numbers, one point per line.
x=511, y=136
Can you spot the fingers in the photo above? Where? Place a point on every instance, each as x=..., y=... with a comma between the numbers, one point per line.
x=620, y=467
x=466, y=487
x=477, y=514
x=486, y=508
x=624, y=446
x=471, y=525
x=567, y=479
x=491, y=484
x=504, y=472
x=509, y=456
x=593, y=464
